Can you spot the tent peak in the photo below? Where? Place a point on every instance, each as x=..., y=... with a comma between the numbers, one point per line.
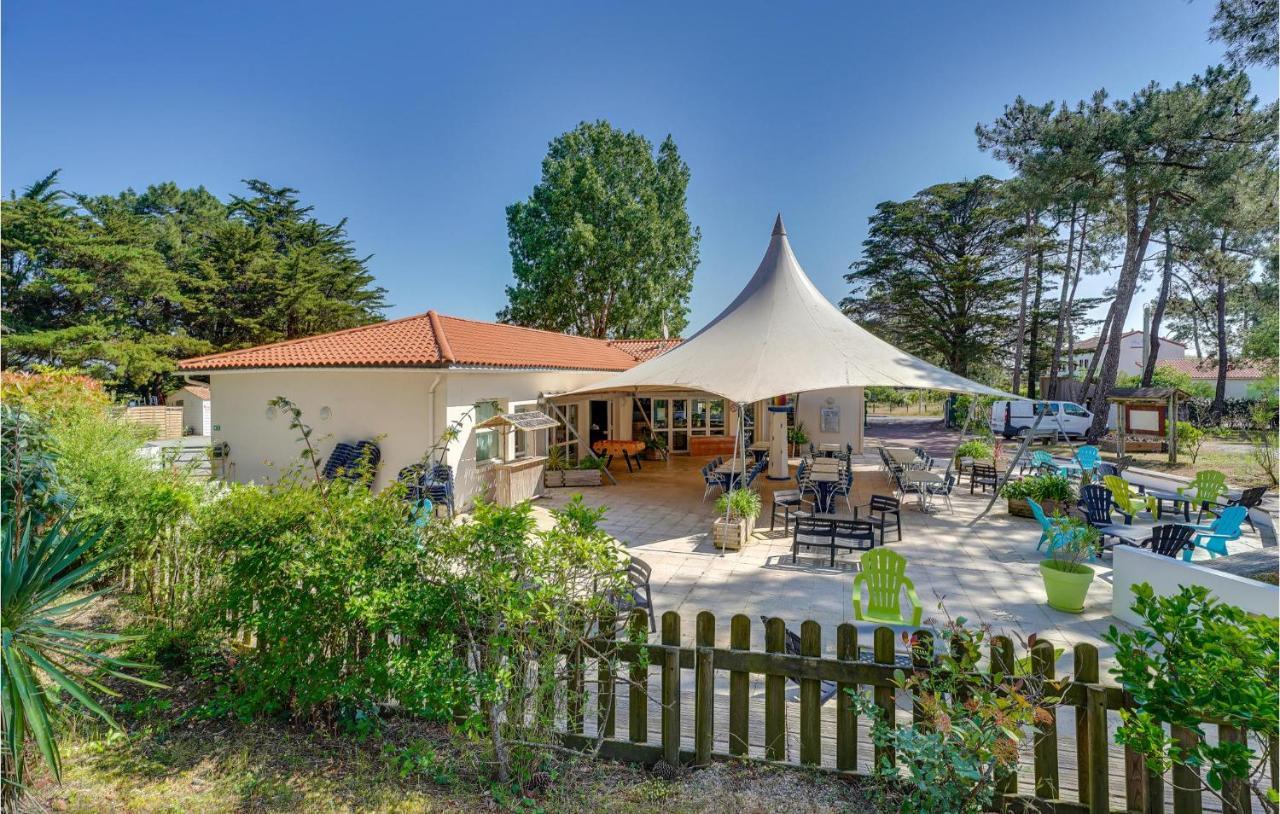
x=778, y=228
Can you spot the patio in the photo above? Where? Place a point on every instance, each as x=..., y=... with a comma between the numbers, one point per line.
x=987, y=572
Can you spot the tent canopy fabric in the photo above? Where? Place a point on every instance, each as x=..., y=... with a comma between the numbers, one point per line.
x=781, y=336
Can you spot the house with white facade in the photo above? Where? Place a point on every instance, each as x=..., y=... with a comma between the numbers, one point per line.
x=1132, y=352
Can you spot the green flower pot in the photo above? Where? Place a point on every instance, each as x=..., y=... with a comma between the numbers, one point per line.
x=1066, y=589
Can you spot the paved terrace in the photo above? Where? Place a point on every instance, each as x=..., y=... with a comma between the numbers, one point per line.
x=984, y=570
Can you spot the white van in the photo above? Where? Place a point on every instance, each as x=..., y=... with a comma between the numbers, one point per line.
x=1013, y=418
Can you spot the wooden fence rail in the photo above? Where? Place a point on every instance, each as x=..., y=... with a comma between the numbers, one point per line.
x=1082, y=696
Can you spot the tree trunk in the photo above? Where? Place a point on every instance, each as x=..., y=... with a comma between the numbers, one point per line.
x=1021, y=334
x=1092, y=370
x=1055, y=363
x=1033, y=347
x=1137, y=236
x=1075, y=282
x=1157, y=313
x=1220, y=391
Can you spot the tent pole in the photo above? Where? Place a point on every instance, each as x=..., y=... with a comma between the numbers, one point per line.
x=1022, y=450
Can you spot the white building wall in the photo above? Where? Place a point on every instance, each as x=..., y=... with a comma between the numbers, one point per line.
x=1168, y=576
x=1131, y=358
x=390, y=406
x=849, y=401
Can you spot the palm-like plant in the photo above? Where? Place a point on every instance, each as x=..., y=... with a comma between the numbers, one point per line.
x=45, y=575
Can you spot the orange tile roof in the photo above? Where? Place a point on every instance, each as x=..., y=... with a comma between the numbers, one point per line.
x=1208, y=368
x=645, y=349
x=427, y=340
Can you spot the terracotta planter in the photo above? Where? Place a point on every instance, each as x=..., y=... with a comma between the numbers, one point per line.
x=1020, y=508
x=1066, y=590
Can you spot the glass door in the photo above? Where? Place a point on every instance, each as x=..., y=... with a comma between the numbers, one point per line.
x=679, y=425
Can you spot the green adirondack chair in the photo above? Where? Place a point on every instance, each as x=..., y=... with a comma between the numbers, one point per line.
x=885, y=573
x=1206, y=486
x=1130, y=501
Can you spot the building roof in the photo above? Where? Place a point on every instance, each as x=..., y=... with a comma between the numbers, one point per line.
x=645, y=349
x=1090, y=344
x=1208, y=368
x=199, y=391
x=427, y=340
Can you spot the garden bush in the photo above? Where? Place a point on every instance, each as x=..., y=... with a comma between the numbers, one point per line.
x=977, y=450
x=1040, y=488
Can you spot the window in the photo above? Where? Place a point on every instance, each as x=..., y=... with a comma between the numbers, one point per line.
x=1075, y=410
x=520, y=437
x=560, y=436
x=488, y=442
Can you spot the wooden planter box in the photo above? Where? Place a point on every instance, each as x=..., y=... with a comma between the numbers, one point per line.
x=732, y=535
x=573, y=477
x=1019, y=507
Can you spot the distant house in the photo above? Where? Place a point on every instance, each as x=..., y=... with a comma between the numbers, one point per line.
x=1132, y=359
x=196, y=404
x=1241, y=376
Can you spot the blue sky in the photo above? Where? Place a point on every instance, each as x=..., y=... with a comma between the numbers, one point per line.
x=420, y=124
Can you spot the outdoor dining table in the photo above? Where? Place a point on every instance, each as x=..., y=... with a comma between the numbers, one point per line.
x=922, y=478
x=729, y=472
x=829, y=447
x=824, y=483
x=758, y=449
x=826, y=464
x=901, y=455
x=1161, y=495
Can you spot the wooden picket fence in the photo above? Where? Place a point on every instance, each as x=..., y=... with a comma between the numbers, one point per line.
x=1087, y=761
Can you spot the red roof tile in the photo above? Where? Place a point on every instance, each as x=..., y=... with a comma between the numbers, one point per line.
x=1208, y=369
x=427, y=340
x=645, y=349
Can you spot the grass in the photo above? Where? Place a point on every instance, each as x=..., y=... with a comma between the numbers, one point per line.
x=1231, y=457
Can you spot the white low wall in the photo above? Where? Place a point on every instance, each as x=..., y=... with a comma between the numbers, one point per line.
x=1167, y=576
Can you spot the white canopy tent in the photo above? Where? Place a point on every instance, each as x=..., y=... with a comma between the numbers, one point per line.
x=781, y=336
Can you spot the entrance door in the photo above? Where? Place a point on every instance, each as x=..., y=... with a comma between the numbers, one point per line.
x=599, y=421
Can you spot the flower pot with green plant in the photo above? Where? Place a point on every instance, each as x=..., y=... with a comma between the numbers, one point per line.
x=737, y=511
x=973, y=451
x=1054, y=493
x=797, y=437
x=655, y=446
x=1066, y=577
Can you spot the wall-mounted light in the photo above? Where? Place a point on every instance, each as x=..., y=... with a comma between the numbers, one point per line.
x=326, y=413
x=271, y=412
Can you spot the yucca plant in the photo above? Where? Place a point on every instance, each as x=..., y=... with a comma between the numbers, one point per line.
x=46, y=667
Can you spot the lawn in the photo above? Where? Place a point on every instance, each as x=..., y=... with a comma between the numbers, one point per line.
x=1232, y=457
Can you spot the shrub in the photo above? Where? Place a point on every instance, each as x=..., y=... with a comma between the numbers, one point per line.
x=977, y=450
x=1173, y=666
x=741, y=504
x=1190, y=439
x=1074, y=541
x=1040, y=488
x=968, y=742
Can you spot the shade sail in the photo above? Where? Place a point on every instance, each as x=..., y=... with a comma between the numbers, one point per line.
x=781, y=336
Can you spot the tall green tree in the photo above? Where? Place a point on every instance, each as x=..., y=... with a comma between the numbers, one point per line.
x=937, y=275
x=1249, y=30
x=122, y=286
x=1146, y=152
x=604, y=246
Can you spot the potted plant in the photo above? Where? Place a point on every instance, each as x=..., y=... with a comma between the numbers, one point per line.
x=1066, y=577
x=1054, y=493
x=797, y=437
x=970, y=451
x=738, y=510
x=586, y=473
x=553, y=470
x=655, y=446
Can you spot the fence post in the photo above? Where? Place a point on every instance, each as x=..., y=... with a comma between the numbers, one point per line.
x=704, y=688
x=1235, y=792
x=1186, y=779
x=1095, y=777
x=1085, y=671
x=671, y=688
x=846, y=715
x=775, y=700
x=1135, y=774
x=1046, y=738
x=739, y=686
x=638, y=694
x=884, y=695
x=606, y=677
x=810, y=698
x=1002, y=666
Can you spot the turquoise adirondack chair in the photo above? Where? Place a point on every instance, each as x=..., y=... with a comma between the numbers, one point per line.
x=1046, y=527
x=1215, y=536
x=885, y=573
x=1087, y=458
x=1041, y=460
x=1206, y=486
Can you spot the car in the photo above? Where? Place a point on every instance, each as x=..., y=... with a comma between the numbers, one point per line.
x=1015, y=418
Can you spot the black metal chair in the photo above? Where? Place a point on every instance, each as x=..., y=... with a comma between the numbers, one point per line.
x=1170, y=540
x=1250, y=498
x=788, y=500
x=438, y=486
x=638, y=574
x=880, y=509
x=852, y=535
x=944, y=489
x=983, y=476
